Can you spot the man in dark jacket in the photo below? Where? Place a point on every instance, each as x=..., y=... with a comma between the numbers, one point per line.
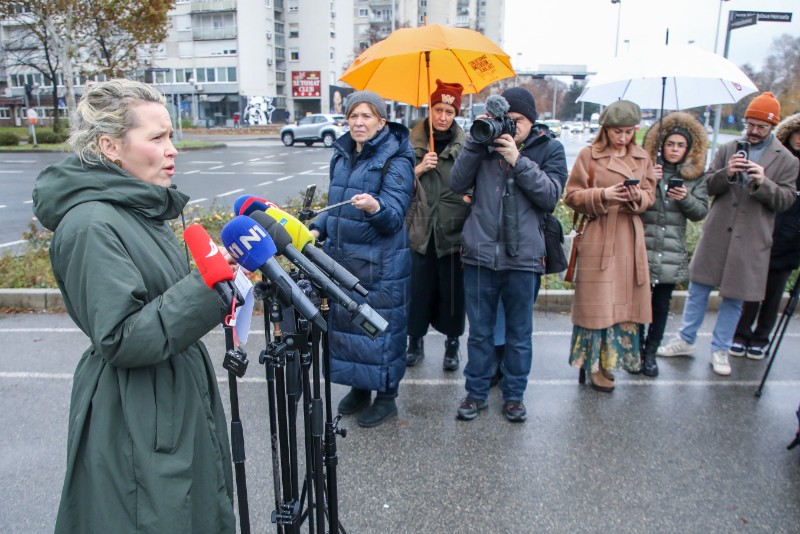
x=784, y=258
x=516, y=180
x=733, y=251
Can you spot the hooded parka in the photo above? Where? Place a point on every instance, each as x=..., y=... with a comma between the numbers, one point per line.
x=613, y=287
x=446, y=209
x=785, y=253
x=734, y=248
x=665, y=221
x=374, y=248
x=147, y=446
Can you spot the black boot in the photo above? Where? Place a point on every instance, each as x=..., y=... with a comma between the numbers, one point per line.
x=499, y=350
x=451, y=354
x=355, y=401
x=415, y=352
x=649, y=365
x=382, y=409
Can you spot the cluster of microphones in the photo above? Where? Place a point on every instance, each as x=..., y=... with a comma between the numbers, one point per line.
x=260, y=231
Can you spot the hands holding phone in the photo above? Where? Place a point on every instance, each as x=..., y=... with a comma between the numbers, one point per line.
x=627, y=191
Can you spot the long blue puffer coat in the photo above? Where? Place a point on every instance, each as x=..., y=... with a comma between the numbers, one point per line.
x=375, y=249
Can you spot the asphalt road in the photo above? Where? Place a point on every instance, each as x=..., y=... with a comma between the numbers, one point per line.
x=686, y=452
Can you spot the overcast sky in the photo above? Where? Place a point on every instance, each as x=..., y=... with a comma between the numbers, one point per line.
x=583, y=32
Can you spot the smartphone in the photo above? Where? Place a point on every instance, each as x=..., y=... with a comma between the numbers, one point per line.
x=674, y=182
x=310, y=190
x=743, y=149
x=631, y=181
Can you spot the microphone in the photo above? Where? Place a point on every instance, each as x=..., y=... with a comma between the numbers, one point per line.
x=363, y=316
x=246, y=204
x=253, y=249
x=211, y=264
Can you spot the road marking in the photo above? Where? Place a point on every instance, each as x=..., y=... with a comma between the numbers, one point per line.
x=284, y=178
x=326, y=163
x=11, y=172
x=237, y=163
x=2, y=206
x=284, y=154
x=216, y=173
x=205, y=162
x=191, y=172
x=316, y=173
x=268, y=163
x=267, y=157
x=305, y=172
x=19, y=161
x=265, y=172
x=230, y=193
x=265, y=183
x=324, y=167
x=217, y=167
x=12, y=243
x=660, y=383
x=255, y=159
x=196, y=201
x=28, y=201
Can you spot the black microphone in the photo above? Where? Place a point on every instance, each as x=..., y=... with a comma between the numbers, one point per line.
x=253, y=249
x=362, y=315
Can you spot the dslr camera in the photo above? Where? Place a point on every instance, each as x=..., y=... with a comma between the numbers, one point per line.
x=485, y=131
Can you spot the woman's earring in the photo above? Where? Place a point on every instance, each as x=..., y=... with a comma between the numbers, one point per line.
x=118, y=163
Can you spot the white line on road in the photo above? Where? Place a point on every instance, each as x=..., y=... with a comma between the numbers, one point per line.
x=268, y=163
x=205, y=162
x=19, y=161
x=197, y=200
x=222, y=379
x=217, y=173
x=265, y=183
x=12, y=243
x=229, y=193
x=284, y=178
x=214, y=168
x=305, y=172
x=317, y=173
x=266, y=172
x=2, y=206
x=28, y=201
x=191, y=172
x=237, y=163
x=267, y=157
x=11, y=172
x=255, y=159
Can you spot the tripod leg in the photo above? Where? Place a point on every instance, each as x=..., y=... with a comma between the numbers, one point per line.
x=788, y=311
x=317, y=427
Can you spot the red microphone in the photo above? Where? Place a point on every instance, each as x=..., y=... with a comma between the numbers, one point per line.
x=211, y=264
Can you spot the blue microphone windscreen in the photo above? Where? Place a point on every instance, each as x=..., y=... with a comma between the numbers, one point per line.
x=239, y=202
x=248, y=242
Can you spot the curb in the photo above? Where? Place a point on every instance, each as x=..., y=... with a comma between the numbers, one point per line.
x=549, y=300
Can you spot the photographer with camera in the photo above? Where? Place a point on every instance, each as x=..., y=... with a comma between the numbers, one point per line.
x=681, y=196
x=518, y=175
x=734, y=247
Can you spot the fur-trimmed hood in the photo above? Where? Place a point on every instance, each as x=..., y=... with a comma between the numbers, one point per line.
x=694, y=164
x=785, y=128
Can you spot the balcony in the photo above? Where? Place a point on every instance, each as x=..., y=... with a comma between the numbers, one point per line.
x=215, y=5
x=212, y=34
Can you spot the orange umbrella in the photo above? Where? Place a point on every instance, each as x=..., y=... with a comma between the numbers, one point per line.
x=402, y=66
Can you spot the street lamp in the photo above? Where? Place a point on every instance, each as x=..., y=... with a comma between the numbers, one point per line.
x=718, y=109
x=197, y=89
x=619, y=13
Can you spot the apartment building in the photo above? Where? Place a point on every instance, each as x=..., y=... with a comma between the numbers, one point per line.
x=267, y=60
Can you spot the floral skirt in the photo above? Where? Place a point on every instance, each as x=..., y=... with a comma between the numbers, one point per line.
x=616, y=347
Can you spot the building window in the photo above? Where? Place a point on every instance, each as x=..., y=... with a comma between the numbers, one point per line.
x=201, y=76
x=232, y=74
x=293, y=6
x=294, y=29
x=333, y=54
x=363, y=12
x=162, y=77
x=294, y=55
x=4, y=113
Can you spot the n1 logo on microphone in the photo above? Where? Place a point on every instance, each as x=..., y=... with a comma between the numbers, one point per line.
x=255, y=235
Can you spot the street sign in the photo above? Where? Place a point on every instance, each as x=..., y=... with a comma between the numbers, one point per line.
x=741, y=22
x=33, y=117
x=764, y=16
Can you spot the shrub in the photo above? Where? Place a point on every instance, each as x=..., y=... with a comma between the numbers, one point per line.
x=8, y=139
x=49, y=138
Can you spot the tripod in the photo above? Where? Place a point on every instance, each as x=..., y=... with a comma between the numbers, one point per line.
x=780, y=330
x=292, y=361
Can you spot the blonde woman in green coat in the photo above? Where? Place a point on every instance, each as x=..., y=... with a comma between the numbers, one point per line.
x=147, y=445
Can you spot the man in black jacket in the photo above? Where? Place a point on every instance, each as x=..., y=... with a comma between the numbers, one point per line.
x=516, y=180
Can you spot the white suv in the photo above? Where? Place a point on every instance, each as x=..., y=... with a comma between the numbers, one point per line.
x=316, y=127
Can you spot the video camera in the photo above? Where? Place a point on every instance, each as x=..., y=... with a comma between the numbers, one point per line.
x=485, y=131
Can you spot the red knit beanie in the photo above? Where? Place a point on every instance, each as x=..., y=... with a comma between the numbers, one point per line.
x=448, y=93
x=765, y=107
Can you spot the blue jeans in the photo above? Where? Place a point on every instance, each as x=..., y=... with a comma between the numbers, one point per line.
x=694, y=310
x=500, y=324
x=483, y=289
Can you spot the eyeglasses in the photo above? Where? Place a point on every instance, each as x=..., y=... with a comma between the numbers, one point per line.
x=757, y=127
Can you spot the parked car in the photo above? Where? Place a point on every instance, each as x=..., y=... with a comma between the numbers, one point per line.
x=577, y=127
x=554, y=126
x=316, y=127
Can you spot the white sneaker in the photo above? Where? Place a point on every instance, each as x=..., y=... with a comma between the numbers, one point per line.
x=719, y=362
x=737, y=349
x=676, y=347
x=756, y=353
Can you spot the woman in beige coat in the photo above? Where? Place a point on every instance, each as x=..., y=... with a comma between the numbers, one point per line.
x=612, y=291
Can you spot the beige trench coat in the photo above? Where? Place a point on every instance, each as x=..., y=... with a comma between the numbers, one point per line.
x=613, y=280
x=733, y=251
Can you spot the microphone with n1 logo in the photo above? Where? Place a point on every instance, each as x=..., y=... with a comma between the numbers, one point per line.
x=361, y=315
x=211, y=264
x=302, y=239
x=253, y=249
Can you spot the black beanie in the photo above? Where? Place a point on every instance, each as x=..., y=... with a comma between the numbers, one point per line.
x=521, y=101
x=683, y=132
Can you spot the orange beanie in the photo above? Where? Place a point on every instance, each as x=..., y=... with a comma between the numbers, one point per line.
x=765, y=107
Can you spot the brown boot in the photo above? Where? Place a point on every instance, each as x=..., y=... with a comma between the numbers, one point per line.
x=601, y=383
x=608, y=374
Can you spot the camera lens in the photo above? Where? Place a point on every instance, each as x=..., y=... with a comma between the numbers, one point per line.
x=485, y=131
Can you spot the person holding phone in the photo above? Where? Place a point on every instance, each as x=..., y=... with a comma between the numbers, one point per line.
x=681, y=196
x=612, y=292
x=734, y=247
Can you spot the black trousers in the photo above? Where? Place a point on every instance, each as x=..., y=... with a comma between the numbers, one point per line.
x=660, y=297
x=437, y=294
x=764, y=314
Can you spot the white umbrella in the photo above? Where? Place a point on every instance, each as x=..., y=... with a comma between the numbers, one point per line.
x=669, y=77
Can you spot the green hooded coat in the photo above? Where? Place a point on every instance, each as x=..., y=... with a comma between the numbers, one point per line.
x=147, y=446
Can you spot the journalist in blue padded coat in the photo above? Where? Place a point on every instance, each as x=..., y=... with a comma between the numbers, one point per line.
x=373, y=164
x=147, y=444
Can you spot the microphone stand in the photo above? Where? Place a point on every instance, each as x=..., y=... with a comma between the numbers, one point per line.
x=788, y=311
x=236, y=363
